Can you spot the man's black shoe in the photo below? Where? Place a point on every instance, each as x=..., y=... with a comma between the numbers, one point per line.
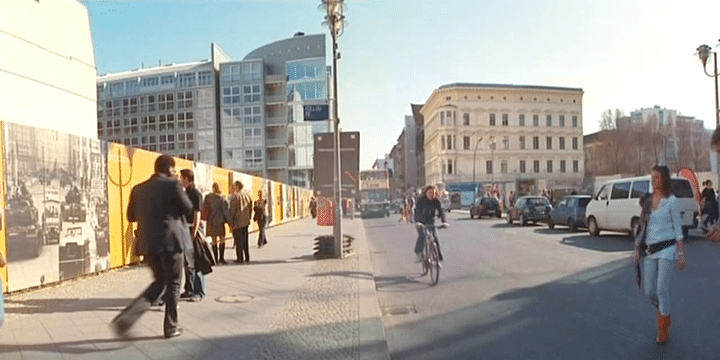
x=185, y=295
x=222, y=261
x=196, y=298
x=237, y=261
x=173, y=333
x=119, y=327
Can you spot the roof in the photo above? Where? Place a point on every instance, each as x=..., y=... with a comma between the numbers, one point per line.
x=158, y=70
x=511, y=86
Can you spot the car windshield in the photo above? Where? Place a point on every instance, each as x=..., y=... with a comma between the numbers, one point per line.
x=537, y=201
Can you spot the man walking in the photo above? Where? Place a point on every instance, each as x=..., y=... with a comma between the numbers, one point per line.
x=160, y=206
x=240, y=209
x=194, y=278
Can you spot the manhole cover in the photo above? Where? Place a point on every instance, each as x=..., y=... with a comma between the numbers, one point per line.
x=400, y=310
x=234, y=299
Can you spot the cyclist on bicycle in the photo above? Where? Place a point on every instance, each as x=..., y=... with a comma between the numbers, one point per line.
x=427, y=206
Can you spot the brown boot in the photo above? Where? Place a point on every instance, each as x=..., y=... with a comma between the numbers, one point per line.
x=664, y=323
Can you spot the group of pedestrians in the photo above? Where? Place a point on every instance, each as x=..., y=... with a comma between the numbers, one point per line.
x=169, y=212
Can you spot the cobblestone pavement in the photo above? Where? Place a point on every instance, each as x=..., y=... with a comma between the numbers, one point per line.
x=283, y=305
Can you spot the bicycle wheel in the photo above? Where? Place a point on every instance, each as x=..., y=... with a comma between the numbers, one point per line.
x=434, y=264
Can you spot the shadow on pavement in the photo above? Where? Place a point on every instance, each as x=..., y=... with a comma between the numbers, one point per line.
x=594, y=314
x=401, y=282
x=49, y=306
x=606, y=243
x=349, y=274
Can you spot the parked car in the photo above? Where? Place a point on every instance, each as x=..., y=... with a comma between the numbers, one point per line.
x=485, y=206
x=570, y=211
x=616, y=206
x=529, y=209
x=24, y=234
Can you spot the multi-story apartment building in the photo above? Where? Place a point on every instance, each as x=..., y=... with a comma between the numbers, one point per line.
x=257, y=115
x=522, y=138
x=47, y=70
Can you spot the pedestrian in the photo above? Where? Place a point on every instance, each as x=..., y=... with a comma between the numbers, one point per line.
x=427, y=207
x=313, y=207
x=714, y=234
x=710, y=208
x=160, y=206
x=217, y=212
x=2, y=290
x=260, y=217
x=194, y=277
x=239, y=219
x=660, y=246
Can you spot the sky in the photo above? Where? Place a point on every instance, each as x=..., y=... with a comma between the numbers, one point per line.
x=624, y=54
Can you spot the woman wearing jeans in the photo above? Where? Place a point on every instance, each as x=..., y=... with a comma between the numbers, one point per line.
x=664, y=240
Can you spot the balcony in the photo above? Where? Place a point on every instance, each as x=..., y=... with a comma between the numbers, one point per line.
x=276, y=142
x=276, y=121
x=272, y=79
x=275, y=99
x=277, y=164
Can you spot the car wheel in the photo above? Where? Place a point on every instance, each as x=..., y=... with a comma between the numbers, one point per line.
x=593, y=228
x=522, y=220
x=571, y=225
x=551, y=224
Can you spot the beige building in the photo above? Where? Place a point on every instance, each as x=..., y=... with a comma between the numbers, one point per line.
x=522, y=138
x=47, y=70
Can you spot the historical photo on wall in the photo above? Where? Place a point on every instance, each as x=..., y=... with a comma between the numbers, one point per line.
x=56, y=205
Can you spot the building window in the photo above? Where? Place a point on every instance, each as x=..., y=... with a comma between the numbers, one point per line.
x=506, y=142
x=548, y=142
x=505, y=120
x=536, y=120
x=185, y=100
x=522, y=143
x=548, y=120
x=185, y=120
x=536, y=166
x=253, y=158
x=549, y=166
x=231, y=116
x=165, y=101
x=574, y=143
x=449, y=166
x=186, y=80
x=205, y=78
x=447, y=117
x=489, y=167
x=576, y=166
x=562, y=166
x=449, y=142
x=574, y=121
x=503, y=167
x=186, y=141
x=166, y=142
x=466, y=143
x=442, y=142
x=562, y=143
x=466, y=119
x=521, y=120
x=561, y=120
x=253, y=137
x=522, y=166
x=231, y=95
x=167, y=80
x=536, y=142
x=252, y=71
x=492, y=119
x=147, y=82
x=251, y=93
x=230, y=73
x=252, y=115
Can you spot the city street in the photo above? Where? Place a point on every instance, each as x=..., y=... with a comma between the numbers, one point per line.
x=513, y=292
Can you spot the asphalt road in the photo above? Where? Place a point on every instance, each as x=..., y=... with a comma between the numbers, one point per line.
x=511, y=292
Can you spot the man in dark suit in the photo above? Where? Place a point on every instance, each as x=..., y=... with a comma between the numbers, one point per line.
x=160, y=206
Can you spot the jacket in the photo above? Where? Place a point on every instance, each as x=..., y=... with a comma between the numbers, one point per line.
x=240, y=210
x=425, y=210
x=160, y=206
x=204, y=260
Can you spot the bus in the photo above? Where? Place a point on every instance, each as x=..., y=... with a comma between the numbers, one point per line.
x=374, y=193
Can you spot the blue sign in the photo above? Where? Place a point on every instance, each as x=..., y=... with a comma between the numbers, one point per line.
x=316, y=112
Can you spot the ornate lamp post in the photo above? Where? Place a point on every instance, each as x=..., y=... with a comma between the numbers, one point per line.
x=474, y=155
x=335, y=19
x=492, y=160
x=703, y=52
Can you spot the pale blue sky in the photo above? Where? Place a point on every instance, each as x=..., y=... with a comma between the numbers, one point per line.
x=624, y=54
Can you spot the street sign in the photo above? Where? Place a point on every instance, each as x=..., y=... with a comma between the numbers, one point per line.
x=316, y=112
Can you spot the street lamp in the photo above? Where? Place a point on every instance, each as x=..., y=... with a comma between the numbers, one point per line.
x=474, y=155
x=703, y=52
x=335, y=19
x=492, y=160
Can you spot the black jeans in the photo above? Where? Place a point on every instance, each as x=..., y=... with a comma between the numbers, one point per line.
x=241, y=244
x=420, y=242
x=167, y=269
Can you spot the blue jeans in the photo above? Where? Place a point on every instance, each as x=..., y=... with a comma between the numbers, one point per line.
x=194, y=282
x=657, y=277
x=420, y=242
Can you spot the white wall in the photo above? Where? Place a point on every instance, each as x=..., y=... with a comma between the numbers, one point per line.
x=47, y=66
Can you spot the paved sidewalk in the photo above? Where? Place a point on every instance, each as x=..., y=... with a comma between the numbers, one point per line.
x=283, y=305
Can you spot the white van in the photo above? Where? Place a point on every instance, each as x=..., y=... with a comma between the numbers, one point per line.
x=616, y=205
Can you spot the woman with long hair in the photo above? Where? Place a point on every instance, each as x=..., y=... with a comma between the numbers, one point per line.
x=661, y=247
x=217, y=212
x=260, y=217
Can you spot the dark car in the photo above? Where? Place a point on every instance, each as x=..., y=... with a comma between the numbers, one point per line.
x=485, y=206
x=569, y=211
x=529, y=209
x=24, y=234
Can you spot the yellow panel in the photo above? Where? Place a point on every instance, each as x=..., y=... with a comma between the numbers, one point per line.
x=3, y=215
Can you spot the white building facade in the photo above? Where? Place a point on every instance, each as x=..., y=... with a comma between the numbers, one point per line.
x=520, y=138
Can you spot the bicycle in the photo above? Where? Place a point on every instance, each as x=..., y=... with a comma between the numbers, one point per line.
x=431, y=255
